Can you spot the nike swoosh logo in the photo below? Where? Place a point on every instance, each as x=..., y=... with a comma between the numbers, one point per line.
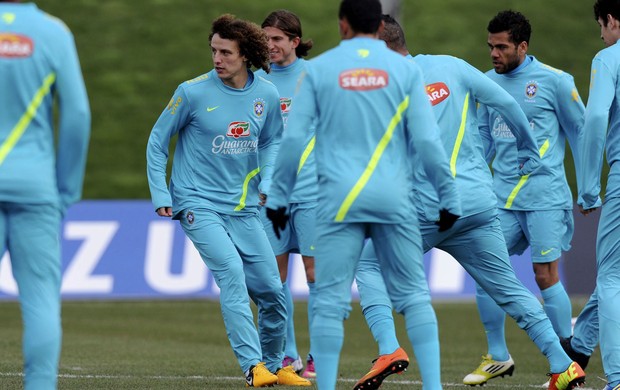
x=543, y=252
x=209, y=109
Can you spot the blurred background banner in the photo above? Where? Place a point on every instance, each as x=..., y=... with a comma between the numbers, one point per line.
x=123, y=250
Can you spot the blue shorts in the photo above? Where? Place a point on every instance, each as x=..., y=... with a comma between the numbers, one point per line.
x=298, y=236
x=547, y=232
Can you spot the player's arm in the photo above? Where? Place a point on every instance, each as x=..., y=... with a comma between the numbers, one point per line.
x=291, y=147
x=174, y=117
x=570, y=113
x=73, y=125
x=269, y=142
x=488, y=145
x=602, y=94
x=490, y=94
x=424, y=137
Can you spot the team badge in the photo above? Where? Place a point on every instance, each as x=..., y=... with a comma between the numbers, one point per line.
x=259, y=107
x=190, y=217
x=530, y=89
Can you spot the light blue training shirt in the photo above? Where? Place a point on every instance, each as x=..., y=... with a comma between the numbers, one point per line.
x=286, y=79
x=454, y=88
x=550, y=100
x=39, y=63
x=373, y=116
x=226, y=147
x=602, y=128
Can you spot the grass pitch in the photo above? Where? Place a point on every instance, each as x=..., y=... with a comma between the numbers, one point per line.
x=182, y=345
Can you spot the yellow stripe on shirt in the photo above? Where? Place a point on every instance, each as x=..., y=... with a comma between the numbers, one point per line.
x=459, y=136
x=372, y=164
x=515, y=191
x=244, y=194
x=306, y=154
x=23, y=123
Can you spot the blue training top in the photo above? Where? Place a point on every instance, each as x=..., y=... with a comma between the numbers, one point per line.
x=39, y=62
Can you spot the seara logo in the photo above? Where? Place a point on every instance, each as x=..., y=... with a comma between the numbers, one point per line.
x=15, y=46
x=437, y=92
x=238, y=129
x=363, y=79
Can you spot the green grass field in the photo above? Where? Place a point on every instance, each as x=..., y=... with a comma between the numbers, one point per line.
x=134, y=54
x=183, y=345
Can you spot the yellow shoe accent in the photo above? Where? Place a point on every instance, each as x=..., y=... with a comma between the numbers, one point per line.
x=489, y=369
x=288, y=377
x=260, y=376
x=571, y=378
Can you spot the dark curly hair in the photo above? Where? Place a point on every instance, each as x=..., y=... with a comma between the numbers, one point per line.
x=602, y=8
x=517, y=25
x=393, y=34
x=290, y=25
x=252, y=40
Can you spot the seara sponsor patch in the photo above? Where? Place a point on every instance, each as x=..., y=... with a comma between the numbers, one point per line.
x=437, y=92
x=363, y=79
x=15, y=45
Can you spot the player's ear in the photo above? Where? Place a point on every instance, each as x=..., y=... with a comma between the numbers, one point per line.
x=381, y=28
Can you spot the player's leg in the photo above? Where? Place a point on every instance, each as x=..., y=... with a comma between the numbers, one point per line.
x=492, y=316
x=608, y=289
x=482, y=252
x=263, y=283
x=281, y=247
x=337, y=250
x=549, y=233
x=33, y=243
x=580, y=346
x=308, y=261
x=209, y=234
x=305, y=228
x=377, y=309
x=399, y=250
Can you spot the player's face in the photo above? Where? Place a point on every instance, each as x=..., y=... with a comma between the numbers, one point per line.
x=607, y=32
x=505, y=55
x=229, y=64
x=281, y=47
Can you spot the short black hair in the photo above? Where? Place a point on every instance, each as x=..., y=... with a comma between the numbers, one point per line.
x=602, y=8
x=517, y=25
x=364, y=16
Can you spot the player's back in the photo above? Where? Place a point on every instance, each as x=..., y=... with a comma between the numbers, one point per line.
x=449, y=83
x=363, y=96
x=36, y=51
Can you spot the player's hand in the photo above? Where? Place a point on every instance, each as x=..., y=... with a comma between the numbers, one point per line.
x=586, y=211
x=262, y=199
x=528, y=166
x=446, y=220
x=164, y=211
x=278, y=219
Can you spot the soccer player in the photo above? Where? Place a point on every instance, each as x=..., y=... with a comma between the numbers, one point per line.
x=372, y=118
x=601, y=130
x=39, y=180
x=229, y=125
x=476, y=239
x=534, y=210
x=286, y=52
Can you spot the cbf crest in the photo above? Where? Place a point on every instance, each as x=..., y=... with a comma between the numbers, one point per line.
x=259, y=107
x=190, y=217
x=531, y=89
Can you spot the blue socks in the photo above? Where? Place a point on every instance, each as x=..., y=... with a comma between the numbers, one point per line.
x=558, y=307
